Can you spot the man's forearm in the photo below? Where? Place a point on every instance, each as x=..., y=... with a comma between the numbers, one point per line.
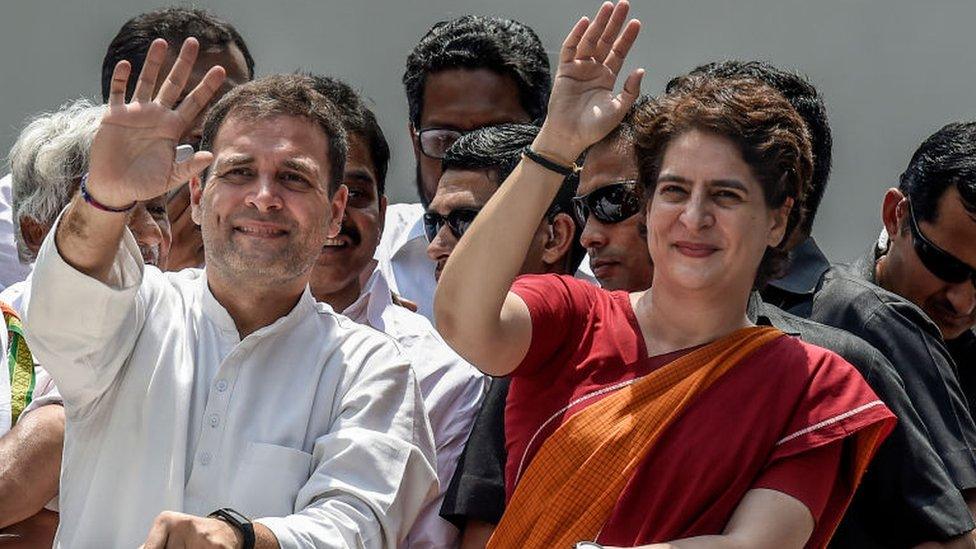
x=30, y=463
x=88, y=238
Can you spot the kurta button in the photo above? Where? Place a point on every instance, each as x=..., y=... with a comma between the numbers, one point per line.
x=214, y=420
x=206, y=458
x=222, y=385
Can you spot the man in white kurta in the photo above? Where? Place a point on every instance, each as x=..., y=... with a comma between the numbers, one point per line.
x=190, y=392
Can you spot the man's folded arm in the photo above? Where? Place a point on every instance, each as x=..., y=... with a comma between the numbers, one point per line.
x=373, y=472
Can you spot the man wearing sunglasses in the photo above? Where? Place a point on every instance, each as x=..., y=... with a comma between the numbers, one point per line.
x=474, y=167
x=608, y=206
x=913, y=294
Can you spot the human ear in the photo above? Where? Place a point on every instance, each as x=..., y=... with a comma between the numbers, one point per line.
x=894, y=208
x=196, y=195
x=781, y=218
x=559, y=241
x=33, y=233
x=338, y=206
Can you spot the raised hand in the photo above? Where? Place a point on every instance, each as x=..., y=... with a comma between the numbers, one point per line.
x=133, y=153
x=583, y=107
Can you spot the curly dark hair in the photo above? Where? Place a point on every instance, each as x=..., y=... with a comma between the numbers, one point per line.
x=808, y=102
x=173, y=24
x=288, y=95
x=499, y=149
x=770, y=135
x=473, y=42
x=947, y=158
x=358, y=120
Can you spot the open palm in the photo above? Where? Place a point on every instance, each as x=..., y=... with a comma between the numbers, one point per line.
x=133, y=153
x=583, y=107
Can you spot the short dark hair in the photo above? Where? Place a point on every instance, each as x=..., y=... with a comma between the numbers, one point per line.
x=173, y=24
x=476, y=42
x=947, y=157
x=358, y=120
x=282, y=95
x=805, y=98
x=770, y=135
x=498, y=149
x=625, y=130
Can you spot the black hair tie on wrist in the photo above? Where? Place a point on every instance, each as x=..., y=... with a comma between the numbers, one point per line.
x=562, y=170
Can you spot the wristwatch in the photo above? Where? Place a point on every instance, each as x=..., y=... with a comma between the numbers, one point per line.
x=241, y=523
x=587, y=545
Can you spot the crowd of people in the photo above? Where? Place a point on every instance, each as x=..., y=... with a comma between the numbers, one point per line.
x=606, y=322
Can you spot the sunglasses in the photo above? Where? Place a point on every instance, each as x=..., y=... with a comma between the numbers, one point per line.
x=458, y=221
x=434, y=142
x=610, y=204
x=938, y=261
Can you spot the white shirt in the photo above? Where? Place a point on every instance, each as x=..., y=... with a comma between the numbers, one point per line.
x=11, y=269
x=452, y=390
x=313, y=425
x=402, y=257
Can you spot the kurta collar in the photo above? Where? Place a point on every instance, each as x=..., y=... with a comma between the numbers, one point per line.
x=224, y=322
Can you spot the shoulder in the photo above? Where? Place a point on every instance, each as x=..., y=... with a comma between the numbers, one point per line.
x=430, y=354
x=848, y=346
x=352, y=339
x=854, y=304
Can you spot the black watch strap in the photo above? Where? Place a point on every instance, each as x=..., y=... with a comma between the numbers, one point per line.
x=238, y=521
x=564, y=171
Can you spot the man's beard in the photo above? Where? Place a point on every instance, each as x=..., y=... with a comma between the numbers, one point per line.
x=150, y=254
x=420, y=189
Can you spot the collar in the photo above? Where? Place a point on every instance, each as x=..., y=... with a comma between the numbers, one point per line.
x=864, y=266
x=807, y=266
x=217, y=314
x=414, y=215
x=374, y=299
x=764, y=314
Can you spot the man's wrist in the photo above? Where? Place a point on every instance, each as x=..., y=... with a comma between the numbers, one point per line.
x=242, y=526
x=97, y=204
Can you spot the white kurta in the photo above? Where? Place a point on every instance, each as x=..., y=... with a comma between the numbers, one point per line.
x=313, y=425
x=402, y=257
x=452, y=390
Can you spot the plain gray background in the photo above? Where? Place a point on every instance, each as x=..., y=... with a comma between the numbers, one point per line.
x=892, y=71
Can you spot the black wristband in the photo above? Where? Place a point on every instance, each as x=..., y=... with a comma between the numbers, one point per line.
x=564, y=171
x=240, y=523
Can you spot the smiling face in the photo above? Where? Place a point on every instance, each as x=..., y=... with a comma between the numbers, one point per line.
x=708, y=222
x=265, y=211
x=462, y=100
x=618, y=251
x=335, y=278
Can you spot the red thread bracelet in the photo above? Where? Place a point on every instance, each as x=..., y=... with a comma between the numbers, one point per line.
x=86, y=195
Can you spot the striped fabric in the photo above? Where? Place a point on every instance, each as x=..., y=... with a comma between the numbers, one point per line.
x=20, y=364
x=573, y=483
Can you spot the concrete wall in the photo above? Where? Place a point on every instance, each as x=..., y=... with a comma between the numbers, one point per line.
x=892, y=71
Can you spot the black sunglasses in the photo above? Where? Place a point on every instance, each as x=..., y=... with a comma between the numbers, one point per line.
x=434, y=142
x=938, y=261
x=457, y=221
x=609, y=204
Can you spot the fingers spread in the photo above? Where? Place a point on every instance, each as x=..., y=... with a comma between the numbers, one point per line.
x=172, y=88
x=591, y=38
x=120, y=78
x=150, y=70
x=615, y=60
x=617, y=19
x=200, y=97
x=571, y=43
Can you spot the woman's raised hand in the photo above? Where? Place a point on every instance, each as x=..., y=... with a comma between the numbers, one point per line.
x=583, y=107
x=133, y=153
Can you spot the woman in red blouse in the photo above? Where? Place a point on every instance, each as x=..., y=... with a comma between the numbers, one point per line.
x=662, y=416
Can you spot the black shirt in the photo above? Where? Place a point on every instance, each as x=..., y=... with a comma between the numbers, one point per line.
x=793, y=293
x=963, y=351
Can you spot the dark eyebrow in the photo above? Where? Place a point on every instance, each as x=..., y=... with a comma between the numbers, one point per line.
x=300, y=165
x=234, y=160
x=360, y=176
x=729, y=183
x=673, y=178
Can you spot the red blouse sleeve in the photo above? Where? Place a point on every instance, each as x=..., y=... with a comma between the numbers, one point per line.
x=557, y=304
x=808, y=476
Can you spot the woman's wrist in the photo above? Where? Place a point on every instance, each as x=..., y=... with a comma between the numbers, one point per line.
x=555, y=147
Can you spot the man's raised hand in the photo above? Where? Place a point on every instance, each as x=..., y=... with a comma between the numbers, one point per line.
x=582, y=107
x=133, y=153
